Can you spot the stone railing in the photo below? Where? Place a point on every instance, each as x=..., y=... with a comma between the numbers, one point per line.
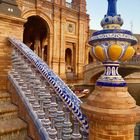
x=91, y=65
x=48, y=99
x=134, y=61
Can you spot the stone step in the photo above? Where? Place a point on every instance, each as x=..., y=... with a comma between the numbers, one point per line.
x=8, y=111
x=4, y=97
x=13, y=129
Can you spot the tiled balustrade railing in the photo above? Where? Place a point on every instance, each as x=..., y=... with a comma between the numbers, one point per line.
x=47, y=98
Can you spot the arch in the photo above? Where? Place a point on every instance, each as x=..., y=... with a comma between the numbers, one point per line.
x=92, y=73
x=35, y=12
x=90, y=58
x=94, y=78
x=36, y=35
x=68, y=59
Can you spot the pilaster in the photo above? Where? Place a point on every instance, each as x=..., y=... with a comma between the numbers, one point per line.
x=82, y=38
x=63, y=2
x=62, y=71
x=50, y=50
x=56, y=44
x=82, y=6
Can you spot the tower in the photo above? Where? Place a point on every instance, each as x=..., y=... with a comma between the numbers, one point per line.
x=81, y=4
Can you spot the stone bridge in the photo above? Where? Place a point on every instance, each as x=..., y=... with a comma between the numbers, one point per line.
x=93, y=70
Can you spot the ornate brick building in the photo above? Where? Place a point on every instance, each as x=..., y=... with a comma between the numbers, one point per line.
x=55, y=29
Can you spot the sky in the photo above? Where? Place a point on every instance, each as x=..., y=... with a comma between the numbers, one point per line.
x=129, y=10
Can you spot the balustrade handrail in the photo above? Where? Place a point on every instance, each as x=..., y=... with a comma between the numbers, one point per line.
x=134, y=61
x=37, y=122
x=64, y=92
x=90, y=65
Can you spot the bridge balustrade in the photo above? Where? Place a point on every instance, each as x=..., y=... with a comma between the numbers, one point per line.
x=92, y=64
x=134, y=61
x=53, y=107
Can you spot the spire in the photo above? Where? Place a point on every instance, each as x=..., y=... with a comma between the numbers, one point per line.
x=112, y=17
x=112, y=10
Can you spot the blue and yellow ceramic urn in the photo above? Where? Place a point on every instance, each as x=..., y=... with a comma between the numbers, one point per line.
x=111, y=46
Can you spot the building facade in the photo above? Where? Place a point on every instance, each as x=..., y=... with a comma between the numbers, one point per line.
x=55, y=30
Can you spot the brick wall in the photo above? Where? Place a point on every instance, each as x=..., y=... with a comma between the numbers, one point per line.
x=104, y=131
x=9, y=26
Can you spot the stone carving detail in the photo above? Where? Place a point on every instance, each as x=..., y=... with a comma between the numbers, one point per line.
x=71, y=27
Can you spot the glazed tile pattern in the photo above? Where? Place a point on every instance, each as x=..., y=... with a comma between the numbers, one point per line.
x=69, y=98
x=112, y=20
x=113, y=35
